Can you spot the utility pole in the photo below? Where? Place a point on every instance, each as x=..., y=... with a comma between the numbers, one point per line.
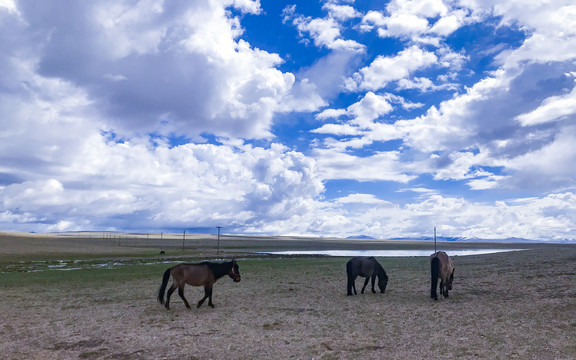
x=434, y=239
x=218, y=250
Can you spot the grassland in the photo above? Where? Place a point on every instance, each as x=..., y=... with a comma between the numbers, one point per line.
x=517, y=305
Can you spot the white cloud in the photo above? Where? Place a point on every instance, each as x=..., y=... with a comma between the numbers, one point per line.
x=361, y=199
x=544, y=218
x=362, y=115
x=182, y=66
x=89, y=101
x=368, y=109
x=331, y=113
x=446, y=25
x=424, y=85
x=385, y=166
x=75, y=138
x=553, y=108
x=325, y=32
x=341, y=12
x=547, y=167
x=169, y=187
x=337, y=129
x=385, y=69
x=8, y=5
x=420, y=21
x=533, y=218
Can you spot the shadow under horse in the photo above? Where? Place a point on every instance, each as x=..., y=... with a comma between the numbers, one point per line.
x=366, y=267
x=441, y=266
x=203, y=274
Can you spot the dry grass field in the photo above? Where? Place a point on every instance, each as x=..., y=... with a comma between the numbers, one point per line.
x=96, y=299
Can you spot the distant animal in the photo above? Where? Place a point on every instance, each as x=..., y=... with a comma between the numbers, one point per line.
x=203, y=274
x=162, y=252
x=366, y=267
x=441, y=267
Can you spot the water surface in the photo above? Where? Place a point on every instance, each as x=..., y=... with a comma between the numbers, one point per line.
x=389, y=253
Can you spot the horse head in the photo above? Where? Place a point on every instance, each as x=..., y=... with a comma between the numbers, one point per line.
x=234, y=272
x=382, y=283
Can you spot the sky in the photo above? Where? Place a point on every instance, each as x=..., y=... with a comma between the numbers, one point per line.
x=314, y=118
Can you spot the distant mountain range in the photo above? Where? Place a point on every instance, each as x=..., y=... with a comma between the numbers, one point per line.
x=469, y=239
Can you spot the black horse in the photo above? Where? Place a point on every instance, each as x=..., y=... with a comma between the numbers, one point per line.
x=202, y=274
x=366, y=267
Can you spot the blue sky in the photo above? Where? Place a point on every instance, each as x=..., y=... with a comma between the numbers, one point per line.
x=323, y=118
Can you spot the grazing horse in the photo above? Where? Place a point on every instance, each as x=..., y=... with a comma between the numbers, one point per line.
x=202, y=274
x=366, y=267
x=441, y=267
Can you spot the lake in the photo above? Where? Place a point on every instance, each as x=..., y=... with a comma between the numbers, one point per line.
x=388, y=253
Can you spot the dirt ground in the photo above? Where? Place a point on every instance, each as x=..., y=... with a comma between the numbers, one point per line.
x=517, y=305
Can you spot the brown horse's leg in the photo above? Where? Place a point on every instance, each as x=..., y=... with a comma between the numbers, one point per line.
x=373, y=281
x=365, y=284
x=204, y=298
x=210, y=297
x=181, y=293
x=442, y=284
x=444, y=287
x=170, y=291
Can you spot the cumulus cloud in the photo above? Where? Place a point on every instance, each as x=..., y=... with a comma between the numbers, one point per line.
x=553, y=108
x=152, y=66
x=168, y=187
x=89, y=100
x=385, y=69
x=385, y=166
x=541, y=218
x=325, y=32
x=153, y=115
x=420, y=21
x=341, y=12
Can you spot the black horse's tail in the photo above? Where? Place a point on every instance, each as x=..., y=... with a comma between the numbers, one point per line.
x=162, y=289
x=434, y=272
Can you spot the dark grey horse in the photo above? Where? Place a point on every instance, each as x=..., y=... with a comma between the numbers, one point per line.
x=366, y=267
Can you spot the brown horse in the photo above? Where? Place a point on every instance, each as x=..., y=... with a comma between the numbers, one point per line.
x=441, y=267
x=366, y=267
x=202, y=274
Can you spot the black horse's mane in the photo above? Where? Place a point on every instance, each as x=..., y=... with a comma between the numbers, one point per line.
x=380, y=270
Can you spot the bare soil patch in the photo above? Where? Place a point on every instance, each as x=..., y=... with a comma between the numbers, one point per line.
x=517, y=305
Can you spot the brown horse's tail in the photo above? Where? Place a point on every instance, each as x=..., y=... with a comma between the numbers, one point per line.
x=162, y=289
x=434, y=272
